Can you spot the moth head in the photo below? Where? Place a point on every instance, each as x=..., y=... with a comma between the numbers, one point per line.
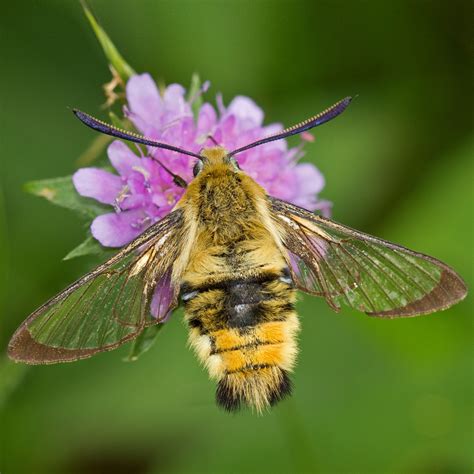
x=215, y=157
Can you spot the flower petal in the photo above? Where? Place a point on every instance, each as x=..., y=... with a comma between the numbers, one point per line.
x=116, y=230
x=310, y=179
x=174, y=95
x=247, y=111
x=97, y=184
x=207, y=119
x=176, y=107
x=122, y=158
x=143, y=98
x=162, y=297
x=284, y=186
x=324, y=207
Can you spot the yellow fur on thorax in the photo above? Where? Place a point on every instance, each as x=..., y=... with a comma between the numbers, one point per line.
x=207, y=265
x=234, y=221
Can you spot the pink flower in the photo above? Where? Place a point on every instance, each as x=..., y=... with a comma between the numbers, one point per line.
x=142, y=193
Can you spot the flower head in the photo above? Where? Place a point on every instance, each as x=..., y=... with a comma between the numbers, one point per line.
x=142, y=192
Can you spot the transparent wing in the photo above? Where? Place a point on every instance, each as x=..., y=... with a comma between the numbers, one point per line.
x=368, y=274
x=109, y=305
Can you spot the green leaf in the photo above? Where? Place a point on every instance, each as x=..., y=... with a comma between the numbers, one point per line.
x=90, y=246
x=61, y=191
x=195, y=95
x=143, y=342
x=111, y=53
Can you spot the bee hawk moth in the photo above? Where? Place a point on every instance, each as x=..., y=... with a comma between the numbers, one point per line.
x=234, y=257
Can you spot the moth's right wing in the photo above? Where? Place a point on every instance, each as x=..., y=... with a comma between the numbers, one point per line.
x=108, y=306
x=363, y=272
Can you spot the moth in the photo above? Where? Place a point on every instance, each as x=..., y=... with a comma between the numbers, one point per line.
x=234, y=257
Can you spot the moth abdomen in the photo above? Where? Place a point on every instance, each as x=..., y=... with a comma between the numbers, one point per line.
x=244, y=332
x=238, y=388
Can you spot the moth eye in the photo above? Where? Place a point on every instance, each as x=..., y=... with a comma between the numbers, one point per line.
x=197, y=168
x=234, y=163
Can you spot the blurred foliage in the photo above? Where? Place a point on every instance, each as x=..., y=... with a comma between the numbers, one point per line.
x=370, y=395
x=115, y=59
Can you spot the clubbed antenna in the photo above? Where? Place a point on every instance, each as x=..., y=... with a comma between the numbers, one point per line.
x=108, y=129
x=312, y=122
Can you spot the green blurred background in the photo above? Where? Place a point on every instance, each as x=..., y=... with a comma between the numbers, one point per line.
x=382, y=396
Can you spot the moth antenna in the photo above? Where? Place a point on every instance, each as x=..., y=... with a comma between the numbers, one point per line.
x=323, y=117
x=103, y=127
x=113, y=131
x=213, y=140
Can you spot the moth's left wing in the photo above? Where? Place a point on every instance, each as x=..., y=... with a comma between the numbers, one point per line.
x=110, y=305
x=369, y=274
